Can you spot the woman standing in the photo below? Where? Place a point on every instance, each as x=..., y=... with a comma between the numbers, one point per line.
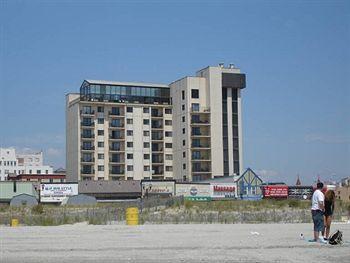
x=328, y=211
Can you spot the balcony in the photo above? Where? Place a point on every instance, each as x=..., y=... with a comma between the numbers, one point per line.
x=116, y=137
x=200, y=122
x=201, y=170
x=87, y=148
x=117, y=160
x=87, y=160
x=201, y=145
x=157, y=170
x=117, y=172
x=157, y=147
x=116, y=149
x=87, y=172
x=87, y=124
x=157, y=113
x=157, y=159
x=116, y=125
x=157, y=136
x=87, y=112
x=200, y=110
x=88, y=135
x=200, y=133
x=117, y=113
x=157, y=125
x=200, y=158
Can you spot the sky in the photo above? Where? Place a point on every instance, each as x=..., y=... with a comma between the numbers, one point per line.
x=295, y=54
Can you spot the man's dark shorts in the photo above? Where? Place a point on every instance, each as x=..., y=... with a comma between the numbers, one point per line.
x=317, y=217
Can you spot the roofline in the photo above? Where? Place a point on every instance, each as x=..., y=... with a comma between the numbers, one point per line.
x=118, y=83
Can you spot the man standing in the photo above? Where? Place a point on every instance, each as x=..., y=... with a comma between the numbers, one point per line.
x=317, y=209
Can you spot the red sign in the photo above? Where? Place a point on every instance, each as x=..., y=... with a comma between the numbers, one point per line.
x=275, y=190
x=222, y=188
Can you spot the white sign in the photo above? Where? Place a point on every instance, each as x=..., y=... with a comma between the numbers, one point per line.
x=194, y=191
x=158, y=187
x=223, y=190
x=57, y=192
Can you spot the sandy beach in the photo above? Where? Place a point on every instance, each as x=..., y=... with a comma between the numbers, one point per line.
x=169, y=243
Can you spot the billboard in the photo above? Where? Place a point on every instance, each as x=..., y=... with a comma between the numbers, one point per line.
x=280, y=191
x=300, y=192
x=54, y=193
x=157, y=188
x=223, y=190
x=194, y=192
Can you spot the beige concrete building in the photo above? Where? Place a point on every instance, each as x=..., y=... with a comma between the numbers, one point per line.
x=189, y=130
x=207, y=124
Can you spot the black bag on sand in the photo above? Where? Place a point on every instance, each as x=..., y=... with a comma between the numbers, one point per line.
x=336, y=238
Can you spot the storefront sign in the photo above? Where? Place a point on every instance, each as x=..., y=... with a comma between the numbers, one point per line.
x=223, y=191
x=275, y=191
x=158, y=188
x=54, y=193
x=194, y=192
x=300, y=192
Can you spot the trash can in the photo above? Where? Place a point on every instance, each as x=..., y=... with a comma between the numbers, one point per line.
x=132, y=216
x=14, y=222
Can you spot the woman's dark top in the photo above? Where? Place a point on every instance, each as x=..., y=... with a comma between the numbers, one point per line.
x=328, y=208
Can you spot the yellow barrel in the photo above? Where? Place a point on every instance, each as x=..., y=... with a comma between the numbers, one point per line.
x=132, y=216
x=14, y=222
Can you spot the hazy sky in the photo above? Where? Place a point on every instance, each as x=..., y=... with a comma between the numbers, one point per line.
x=296, y=107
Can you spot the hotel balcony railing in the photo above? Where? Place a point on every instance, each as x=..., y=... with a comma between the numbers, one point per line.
x=157, y=126
x=120, y=160
x=116, y=113
x=120, y=137
x=200, y=121
x=87, y=160
x=90, y=136
x=82, y=112
x=87, y=171
x=87, y=124
x=157, y=114
x=157, y=172
x=157, y=138
x=200, y=146
x=157, y=160
x=200, y=110
x=117, y=149
x=201, y=170
x=116, y=125
x=90, y=148
x=200, y=134
x=121, y=172
x=199, y=158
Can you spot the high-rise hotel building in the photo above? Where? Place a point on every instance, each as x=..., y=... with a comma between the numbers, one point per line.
x=190, y=130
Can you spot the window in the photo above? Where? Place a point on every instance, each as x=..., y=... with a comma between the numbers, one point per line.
x=100, y=120
x=183, y=142
x=168, y=168
x=129, y=144
x=130, y=156
x=168, y=157
x=168, y=111
x=100, y=144
x=183, y=106
x=184, y=166
x=146, y=156
x=129, y=132
x=129, y=109
x=168, y=145
x=129, y=121
x=145, y=133
x=168, y=134
x=168, y=122
x=195, y=93
x=100, y=168
x=183, y=130
x=145, y=110
x=100, y=132
x=146, y=145
x=146, y=168
x=130, y=168
x=38, y=171
x=195, y=106
x=183, y=94
x=183, y=118
x=183, y=154
x=101, y=156
x=146, y=121
x=100, y=109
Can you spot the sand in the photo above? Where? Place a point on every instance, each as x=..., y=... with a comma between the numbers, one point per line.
x=169, y=243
